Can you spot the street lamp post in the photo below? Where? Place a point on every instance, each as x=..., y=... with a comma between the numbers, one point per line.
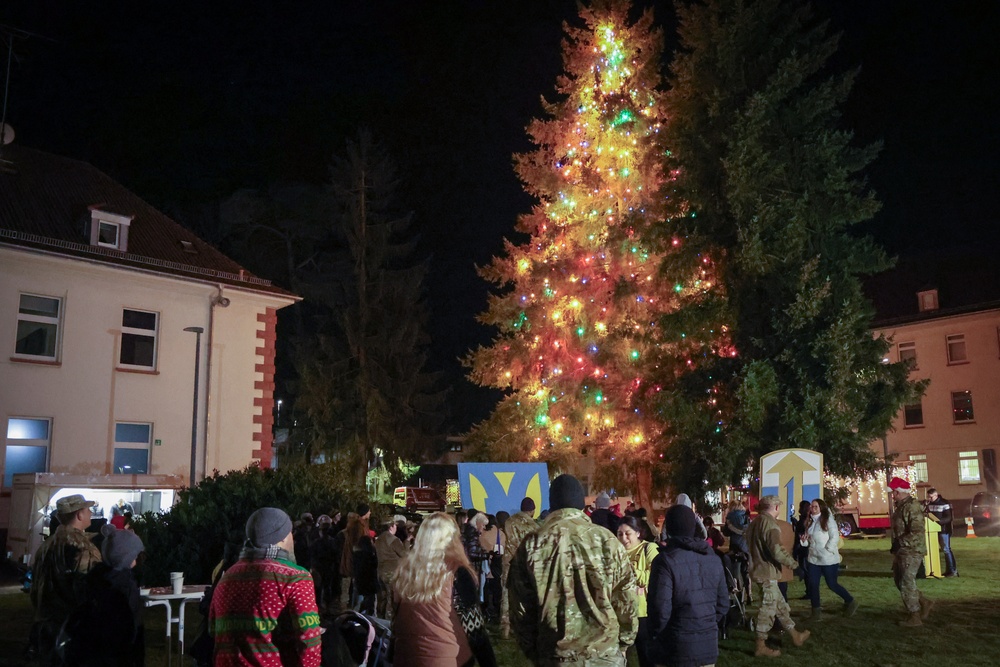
x=197, y=331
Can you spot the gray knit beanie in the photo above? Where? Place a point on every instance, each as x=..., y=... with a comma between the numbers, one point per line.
x=603, y=501
x=120, y=547
x=268, y=526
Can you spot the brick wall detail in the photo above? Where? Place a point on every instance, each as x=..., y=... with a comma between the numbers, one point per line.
x=263, y=415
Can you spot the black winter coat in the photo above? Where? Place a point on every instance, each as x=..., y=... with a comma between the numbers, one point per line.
x=686, y=600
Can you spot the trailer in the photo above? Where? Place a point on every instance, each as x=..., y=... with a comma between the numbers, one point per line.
x=34, y=495
x=867, y=506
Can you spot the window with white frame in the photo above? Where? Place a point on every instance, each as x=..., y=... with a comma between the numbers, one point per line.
x=968, y=468
x=919, y=463
x=38, y=327
x=961, y=407
x=107, y=234
x=132, y=442
x=138, y=346
x=109, y=230
x=908, y=353
x=913, y=415
x=27, y=447
x=956, y=349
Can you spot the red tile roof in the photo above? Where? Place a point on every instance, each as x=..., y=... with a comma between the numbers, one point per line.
x=45, y=203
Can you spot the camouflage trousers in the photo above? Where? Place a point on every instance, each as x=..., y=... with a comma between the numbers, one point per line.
x=904, y=573
x=504, y=604
x=772, y=605
x=614, y=660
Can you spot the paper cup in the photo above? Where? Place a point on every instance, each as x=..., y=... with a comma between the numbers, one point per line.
x=177, y=582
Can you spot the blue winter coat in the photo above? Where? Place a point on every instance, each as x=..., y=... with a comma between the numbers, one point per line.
x=687, y=597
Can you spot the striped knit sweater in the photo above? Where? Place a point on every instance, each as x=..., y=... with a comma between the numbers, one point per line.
x=264, y=614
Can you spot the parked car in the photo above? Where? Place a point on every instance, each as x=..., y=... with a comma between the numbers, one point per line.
x=417, y=499
x=985, y=512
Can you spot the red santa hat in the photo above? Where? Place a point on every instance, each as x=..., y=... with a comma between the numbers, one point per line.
x=898, y=483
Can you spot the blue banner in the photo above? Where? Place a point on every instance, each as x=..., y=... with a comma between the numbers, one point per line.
x=500, y=487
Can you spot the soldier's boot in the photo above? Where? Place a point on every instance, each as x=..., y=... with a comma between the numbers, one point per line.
x=817, y=614
x=925, y=606
x=912, y=621
x=762, y=650
x=799, y=638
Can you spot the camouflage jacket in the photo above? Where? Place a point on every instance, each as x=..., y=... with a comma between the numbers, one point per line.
x=516, y=529
x=572, y=592
x=59, y=573
x=908, y=527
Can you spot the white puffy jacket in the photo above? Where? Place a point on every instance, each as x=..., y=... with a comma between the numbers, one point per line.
x=824, y=545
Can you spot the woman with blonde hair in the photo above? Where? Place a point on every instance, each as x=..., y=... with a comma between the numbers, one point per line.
x=433, y=583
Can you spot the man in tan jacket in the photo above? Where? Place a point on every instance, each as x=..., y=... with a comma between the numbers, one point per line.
x=766, y=558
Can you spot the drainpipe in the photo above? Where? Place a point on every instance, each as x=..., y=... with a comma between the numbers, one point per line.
x=222, y=302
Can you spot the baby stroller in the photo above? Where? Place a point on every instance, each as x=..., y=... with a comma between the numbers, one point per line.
x=735, y=567
x=357, y=640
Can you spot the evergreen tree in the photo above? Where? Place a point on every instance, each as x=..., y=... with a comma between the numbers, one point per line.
x=363, y=384
x=775, y=182
x=581, y=300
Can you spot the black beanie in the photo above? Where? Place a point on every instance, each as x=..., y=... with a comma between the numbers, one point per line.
x=565, y=491
x=527, y=505
x=363, y=509
x=680, y=521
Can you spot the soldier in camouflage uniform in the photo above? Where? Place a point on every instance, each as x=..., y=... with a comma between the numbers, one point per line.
x=908, y=548
x=766, y=558
x=59, y=572
x=572, y=590
x=516, y=529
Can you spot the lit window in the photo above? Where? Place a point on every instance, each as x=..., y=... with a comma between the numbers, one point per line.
x=913, y=415
x=908, y=353
x=27, y=447
x=138, y=339
x=919, y=462
x=968, y=468
x=956, y=349
x=961, y=406
x=37, y=327
x=132, y=448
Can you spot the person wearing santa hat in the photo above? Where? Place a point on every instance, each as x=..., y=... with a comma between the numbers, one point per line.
x=908, y=549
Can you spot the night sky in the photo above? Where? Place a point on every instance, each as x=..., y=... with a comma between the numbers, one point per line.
x=186, y=102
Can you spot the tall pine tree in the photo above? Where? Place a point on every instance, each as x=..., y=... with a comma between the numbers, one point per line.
x=581, y=297
x=760, y=154
x=363, y=383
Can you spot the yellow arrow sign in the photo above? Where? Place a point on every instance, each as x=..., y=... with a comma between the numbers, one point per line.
x=790, y=469
x=478, y=493
x=534, y=491
x=505, y=478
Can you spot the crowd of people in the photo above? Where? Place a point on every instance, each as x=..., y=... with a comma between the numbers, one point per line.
x=578, y=585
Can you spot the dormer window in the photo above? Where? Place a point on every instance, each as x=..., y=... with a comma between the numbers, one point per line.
x=109, y=230
x=927, y=300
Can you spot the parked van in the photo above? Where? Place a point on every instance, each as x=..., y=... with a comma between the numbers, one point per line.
x=417, y=499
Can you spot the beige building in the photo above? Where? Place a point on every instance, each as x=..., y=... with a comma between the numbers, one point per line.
x=102, y=297
x=943, y=315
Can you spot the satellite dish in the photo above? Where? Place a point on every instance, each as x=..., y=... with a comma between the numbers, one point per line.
x=6, y=133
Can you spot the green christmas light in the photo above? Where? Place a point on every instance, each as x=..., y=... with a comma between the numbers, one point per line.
x=634, y=354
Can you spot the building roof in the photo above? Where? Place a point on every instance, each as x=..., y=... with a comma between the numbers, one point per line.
x=46, y=202
x=967, y=280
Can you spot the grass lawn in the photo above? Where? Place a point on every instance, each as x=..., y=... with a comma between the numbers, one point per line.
x=961, y=631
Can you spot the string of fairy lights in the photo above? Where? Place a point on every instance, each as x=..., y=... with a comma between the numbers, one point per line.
x=586, y=297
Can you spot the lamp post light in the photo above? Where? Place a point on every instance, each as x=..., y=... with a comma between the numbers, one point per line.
x=197, y=331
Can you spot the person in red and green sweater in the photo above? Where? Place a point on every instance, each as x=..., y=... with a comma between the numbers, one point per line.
x=263, y=611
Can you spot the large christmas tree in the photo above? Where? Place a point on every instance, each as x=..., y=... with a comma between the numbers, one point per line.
x=577, y=320
x=759, y=150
